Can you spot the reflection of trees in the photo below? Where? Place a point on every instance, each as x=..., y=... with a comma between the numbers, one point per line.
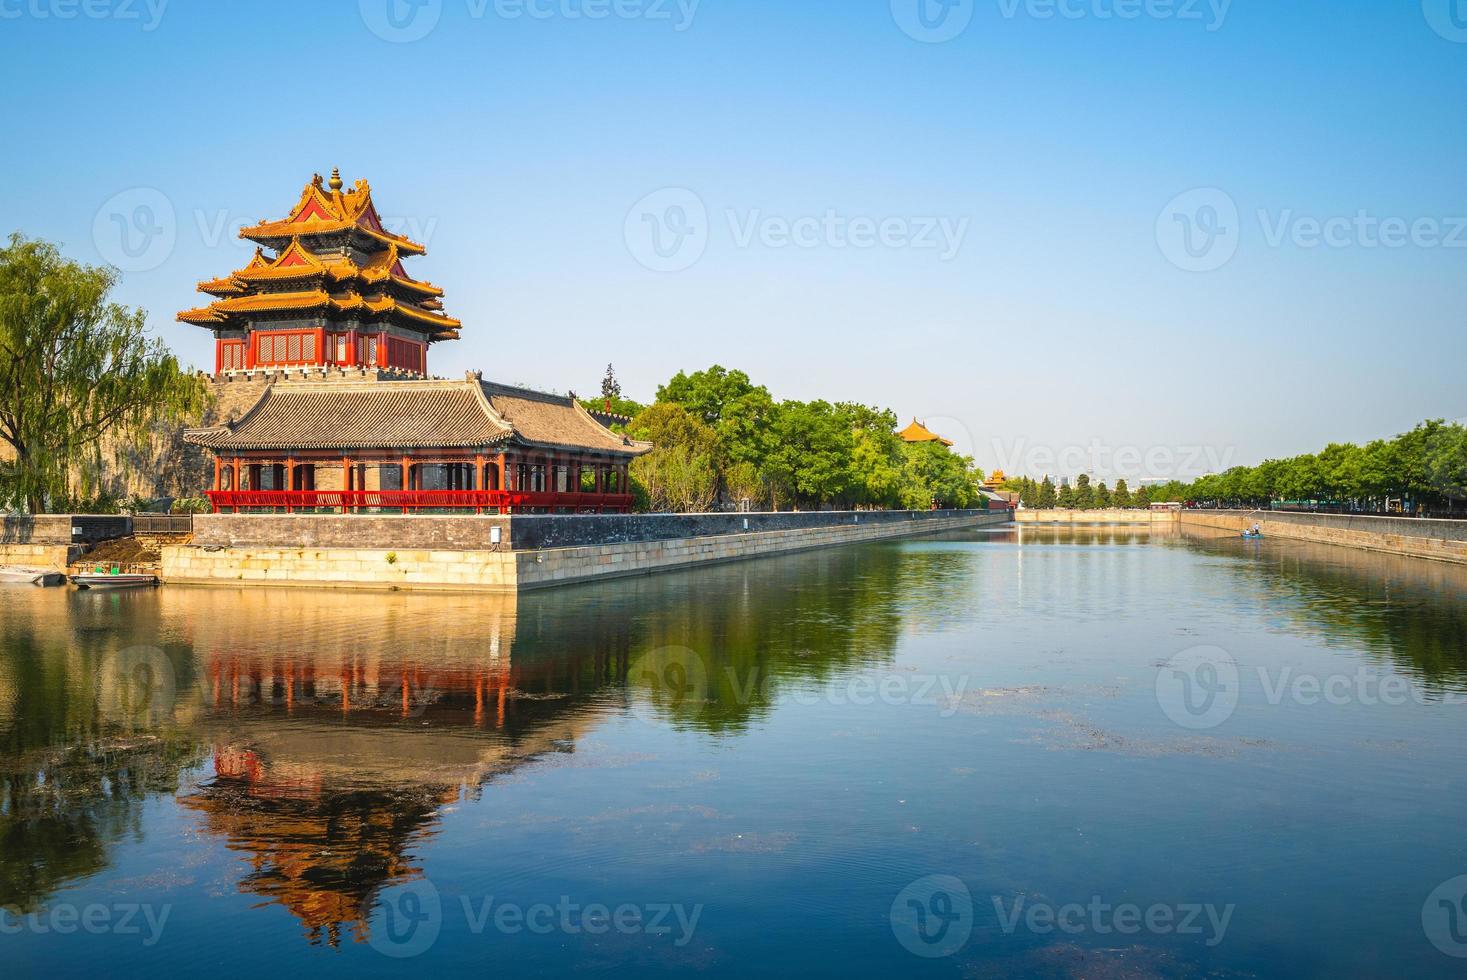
x=342, y=722
x=1407, y=612
x=753, y=625
x=74, y=770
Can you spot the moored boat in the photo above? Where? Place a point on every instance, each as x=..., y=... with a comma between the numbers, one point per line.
x=113, y=579
x=15, y=574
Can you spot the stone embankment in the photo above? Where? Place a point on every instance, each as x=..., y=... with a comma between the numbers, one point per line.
x=458, y=553
x=1437, y=540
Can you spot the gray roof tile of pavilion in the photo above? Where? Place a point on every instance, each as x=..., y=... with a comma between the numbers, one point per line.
x=357, y=415
x=411, y=414
x=543, y=419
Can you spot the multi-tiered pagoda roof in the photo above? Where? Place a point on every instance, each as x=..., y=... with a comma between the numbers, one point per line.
x=326, y=287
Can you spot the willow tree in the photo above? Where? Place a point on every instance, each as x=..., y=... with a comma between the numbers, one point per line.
x=75, y=369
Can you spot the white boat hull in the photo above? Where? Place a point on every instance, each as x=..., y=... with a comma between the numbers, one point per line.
x=113, y=581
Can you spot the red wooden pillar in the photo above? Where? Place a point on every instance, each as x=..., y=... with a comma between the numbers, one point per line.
x=477, y=484
x=345, y=484
x=289, y=481
x=218, y=474
x=407, y=479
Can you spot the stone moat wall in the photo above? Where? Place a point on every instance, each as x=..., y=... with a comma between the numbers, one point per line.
x=520, y=532
x=1437, y=540
x=376, y=561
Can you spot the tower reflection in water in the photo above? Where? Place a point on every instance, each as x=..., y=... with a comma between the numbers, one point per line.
x=320, y=734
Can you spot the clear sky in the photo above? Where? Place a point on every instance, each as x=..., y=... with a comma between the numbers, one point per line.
x=1209, y=231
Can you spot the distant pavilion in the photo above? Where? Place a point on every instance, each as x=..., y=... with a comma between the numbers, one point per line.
x=328, y=323
x=918, y=432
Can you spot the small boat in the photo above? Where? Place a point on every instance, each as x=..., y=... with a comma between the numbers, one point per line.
x=113, y=579
x=1253, y=535
x=30, y=576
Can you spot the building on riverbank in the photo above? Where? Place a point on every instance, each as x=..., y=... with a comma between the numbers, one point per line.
x=321, y=344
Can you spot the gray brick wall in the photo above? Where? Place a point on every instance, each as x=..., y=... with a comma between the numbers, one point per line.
x=474, y=533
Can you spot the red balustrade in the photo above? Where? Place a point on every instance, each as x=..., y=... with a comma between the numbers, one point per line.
x=406, y=501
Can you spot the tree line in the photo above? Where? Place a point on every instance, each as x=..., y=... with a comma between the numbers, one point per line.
x=1082, y=495
x=1421, y=471
x=1425, y=470
x=723, y=441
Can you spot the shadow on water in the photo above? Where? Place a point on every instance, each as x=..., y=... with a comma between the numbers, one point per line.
x=1405, y=613
x=319, y=734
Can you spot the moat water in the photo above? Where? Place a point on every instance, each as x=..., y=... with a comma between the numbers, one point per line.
x=1046, y=753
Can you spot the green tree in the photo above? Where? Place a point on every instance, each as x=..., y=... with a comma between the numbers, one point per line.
x=75, y=369
x=1121, y=496
x=1102, y=498
x=1066, y=498
x=1084, y=493
x=1047, y=496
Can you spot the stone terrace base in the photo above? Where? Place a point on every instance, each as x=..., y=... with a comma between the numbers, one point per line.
x=459, y=568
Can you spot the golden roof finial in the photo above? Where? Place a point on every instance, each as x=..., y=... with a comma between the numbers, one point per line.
x=335, y=184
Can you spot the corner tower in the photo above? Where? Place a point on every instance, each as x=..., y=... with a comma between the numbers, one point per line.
x=326, y=288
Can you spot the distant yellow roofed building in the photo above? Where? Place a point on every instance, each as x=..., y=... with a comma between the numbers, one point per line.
x=917, y=432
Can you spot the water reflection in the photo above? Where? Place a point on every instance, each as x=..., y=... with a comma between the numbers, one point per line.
x=319, y=734
x=1405, y=613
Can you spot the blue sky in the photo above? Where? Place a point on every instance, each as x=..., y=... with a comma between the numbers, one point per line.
x=992, y=231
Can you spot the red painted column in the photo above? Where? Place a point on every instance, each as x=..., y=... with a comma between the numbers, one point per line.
x=407, y=477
